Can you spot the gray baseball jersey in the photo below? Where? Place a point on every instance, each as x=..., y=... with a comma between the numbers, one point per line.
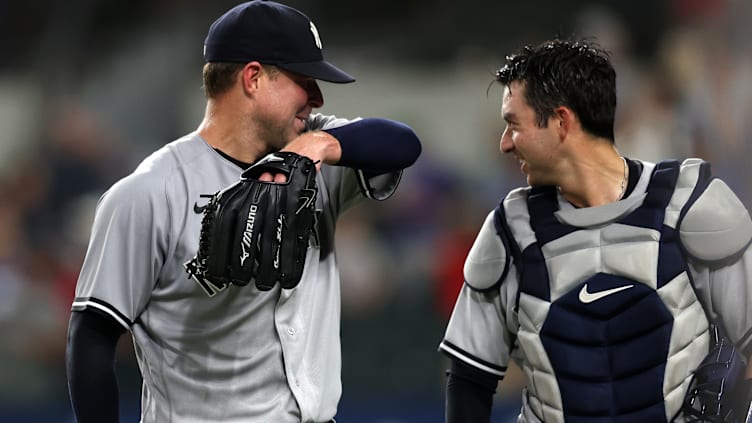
x=207, y=354
x=567, y=336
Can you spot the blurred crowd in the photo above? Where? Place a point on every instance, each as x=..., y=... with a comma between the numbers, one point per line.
x=401, y=261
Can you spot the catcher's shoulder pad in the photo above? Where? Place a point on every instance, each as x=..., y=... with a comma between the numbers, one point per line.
x=716, y=225
x=488, y=260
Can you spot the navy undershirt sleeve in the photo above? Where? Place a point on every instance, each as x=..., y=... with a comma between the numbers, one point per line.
x=90, y=364
x=469, y=394
x=377, y=145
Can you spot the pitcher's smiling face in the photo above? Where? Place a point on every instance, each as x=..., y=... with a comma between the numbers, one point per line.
x=286, y=100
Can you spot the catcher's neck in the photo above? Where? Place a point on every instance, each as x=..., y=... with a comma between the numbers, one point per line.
x=596, y=177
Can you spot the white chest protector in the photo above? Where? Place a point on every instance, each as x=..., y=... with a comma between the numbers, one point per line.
x=609, y=323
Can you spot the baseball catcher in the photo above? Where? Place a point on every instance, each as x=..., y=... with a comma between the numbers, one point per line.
x=259, y=230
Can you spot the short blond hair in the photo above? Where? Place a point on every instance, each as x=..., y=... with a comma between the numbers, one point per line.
x=220, y=76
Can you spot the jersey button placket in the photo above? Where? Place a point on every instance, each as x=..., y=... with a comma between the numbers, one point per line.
x=291, y=336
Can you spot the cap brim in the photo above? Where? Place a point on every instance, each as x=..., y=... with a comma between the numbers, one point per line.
x=322, y=70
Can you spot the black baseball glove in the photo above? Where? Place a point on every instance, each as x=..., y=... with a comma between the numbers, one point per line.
x=717, y=392
x=259, y=230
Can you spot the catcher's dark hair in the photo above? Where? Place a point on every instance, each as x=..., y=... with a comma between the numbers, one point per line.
x=577, y=74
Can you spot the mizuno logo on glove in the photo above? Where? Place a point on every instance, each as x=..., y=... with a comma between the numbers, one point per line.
x=248, y=234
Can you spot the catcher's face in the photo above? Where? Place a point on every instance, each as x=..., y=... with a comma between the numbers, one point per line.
x=536, y=148
x=285, y=104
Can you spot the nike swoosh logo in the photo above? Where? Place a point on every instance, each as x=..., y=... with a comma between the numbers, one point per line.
x=588, y=297
x=199, y=209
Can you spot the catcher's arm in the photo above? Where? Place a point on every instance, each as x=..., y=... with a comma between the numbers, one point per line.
x=469, y=393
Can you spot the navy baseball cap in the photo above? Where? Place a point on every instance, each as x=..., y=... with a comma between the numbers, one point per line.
x=270, y=33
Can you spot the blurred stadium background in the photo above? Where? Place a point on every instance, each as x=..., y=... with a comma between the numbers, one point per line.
x=88, y=88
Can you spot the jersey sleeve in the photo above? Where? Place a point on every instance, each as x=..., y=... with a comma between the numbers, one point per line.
x=126, y=249
x=320, y=122
x=356, y=182
x=726, y=293
x=482, y=328
x=347, y=187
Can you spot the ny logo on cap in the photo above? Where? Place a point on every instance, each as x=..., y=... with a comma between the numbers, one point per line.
x=315, y=33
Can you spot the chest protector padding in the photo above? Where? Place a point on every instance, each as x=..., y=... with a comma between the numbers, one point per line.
x=603, y=341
